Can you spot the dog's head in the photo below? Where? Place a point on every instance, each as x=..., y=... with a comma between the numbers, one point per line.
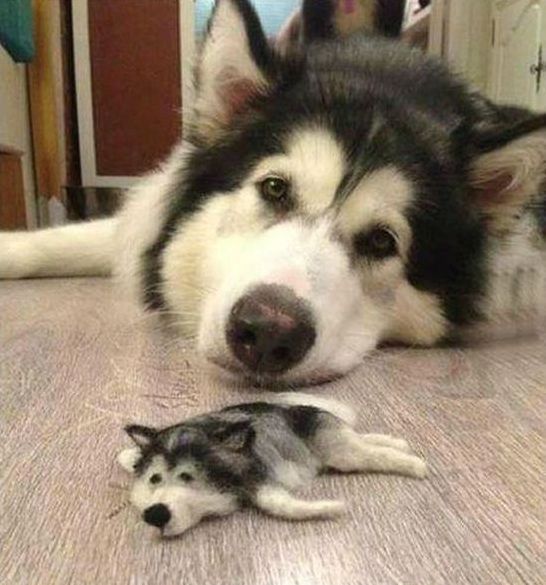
x=331, y=201
x=183, y=474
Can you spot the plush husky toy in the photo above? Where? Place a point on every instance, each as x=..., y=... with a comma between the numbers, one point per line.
x=253, y=454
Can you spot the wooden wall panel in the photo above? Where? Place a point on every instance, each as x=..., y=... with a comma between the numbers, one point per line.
x=43, y=105
x=12, y=193
x=136, y=85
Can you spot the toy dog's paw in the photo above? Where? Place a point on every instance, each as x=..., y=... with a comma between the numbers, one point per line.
x=387, y=441
x=332, y=508
x=400, y=444
x=419, y=468
x=128, y=458
x=277, y=501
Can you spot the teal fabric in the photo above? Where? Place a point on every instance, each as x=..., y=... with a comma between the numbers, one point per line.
x=16, y=31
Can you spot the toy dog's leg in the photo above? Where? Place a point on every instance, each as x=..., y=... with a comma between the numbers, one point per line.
x=344, y=449
x=277, y=501
x=387, y=441
x=128, y=457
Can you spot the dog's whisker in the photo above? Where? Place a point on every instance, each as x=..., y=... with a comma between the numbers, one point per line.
x=117, y=486
x=117, y=510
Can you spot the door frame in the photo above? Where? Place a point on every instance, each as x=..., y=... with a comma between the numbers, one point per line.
x=84, y=94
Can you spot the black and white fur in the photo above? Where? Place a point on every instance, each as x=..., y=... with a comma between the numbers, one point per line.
x=414, y=208
x=253, y=454
x=325, y=19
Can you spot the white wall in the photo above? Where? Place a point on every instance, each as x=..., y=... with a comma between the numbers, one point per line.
x=468, y=45
x=15, y=123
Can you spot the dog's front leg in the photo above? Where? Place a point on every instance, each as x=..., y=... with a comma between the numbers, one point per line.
x=387, y=441
x=277, y=501
x=128, y=458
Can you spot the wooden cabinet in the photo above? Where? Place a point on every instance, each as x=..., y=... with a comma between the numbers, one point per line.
x=12, y=193
x=518, y=71
x=133, y=74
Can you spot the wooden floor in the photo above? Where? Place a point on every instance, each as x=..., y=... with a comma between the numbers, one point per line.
x=76, y=364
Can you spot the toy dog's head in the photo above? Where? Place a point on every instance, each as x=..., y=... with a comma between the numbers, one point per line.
x=182, y=475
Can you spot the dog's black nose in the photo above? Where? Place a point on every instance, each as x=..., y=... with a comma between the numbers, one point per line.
x=270, y=329
x=157, y=515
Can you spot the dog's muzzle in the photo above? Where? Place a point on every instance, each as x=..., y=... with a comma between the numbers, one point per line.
x=157, y=515
x=270, y=329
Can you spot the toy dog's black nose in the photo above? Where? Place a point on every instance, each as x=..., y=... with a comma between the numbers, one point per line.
x=270, y=329
x=157, y=515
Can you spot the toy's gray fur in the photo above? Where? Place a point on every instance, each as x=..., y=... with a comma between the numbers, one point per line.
x=253, y=454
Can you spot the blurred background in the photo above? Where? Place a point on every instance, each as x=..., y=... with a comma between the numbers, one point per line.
x=93, y=92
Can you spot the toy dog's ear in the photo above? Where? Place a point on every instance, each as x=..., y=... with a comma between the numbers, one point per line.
x=142, y=436
x=236, y=436
x=184, y=438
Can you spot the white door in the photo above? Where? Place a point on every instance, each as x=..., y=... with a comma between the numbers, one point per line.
x=519, y=53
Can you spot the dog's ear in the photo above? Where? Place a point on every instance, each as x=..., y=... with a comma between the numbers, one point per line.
x=142, y=436
x=334, y=18
x=290, y=36
x=236, y=436
x=235, y=66
x=509, y=168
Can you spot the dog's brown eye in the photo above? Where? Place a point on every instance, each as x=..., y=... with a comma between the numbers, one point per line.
x=155, y=478
x=274, y=189
x=378, y=243
x=185, y=477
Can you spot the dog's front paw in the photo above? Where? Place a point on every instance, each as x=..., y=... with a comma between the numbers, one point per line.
x=128, y=458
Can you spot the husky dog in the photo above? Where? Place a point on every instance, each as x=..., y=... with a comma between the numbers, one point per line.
x=352, y=194
x=253, y=454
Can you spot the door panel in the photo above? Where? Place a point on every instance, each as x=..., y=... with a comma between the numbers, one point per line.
x=541, y=96
x=519, y=32
x=136, y=86
x=12, y=193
